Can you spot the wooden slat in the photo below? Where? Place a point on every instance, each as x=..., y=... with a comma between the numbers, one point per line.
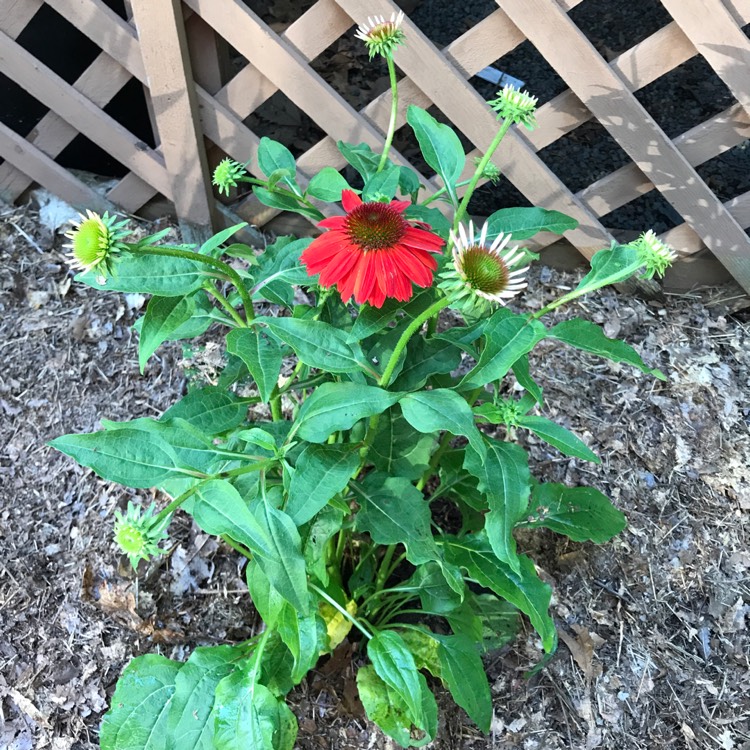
x=467, y=110
x=31, y=161
x=16, y=14
x=46, y=86
x=697, y=145
x=604, y=93
x=164, y=51
x=716, y=35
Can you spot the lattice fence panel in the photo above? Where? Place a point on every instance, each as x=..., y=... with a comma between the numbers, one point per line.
x=172, y=49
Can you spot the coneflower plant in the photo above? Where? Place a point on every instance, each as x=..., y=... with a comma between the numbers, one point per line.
x=349, y=422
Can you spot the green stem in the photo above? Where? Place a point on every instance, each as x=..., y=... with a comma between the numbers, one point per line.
x=385, y=564
x=225, y=268
x=275, y=403
x=353, y=620
x=479, y=171
x=236, y=546
x=258, y=654
x=224, y=302
x=442, y=191
x=160, y=517
x=394, y=113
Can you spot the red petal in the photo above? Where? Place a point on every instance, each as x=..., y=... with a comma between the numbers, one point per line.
x=339, y=267
x=414, y=237
x=319, y=253
x=333, y=222
x=425, y=258
x=400, y=206
x=411, y=267
x=397, y=285
x=366, y=279
x=350, y=200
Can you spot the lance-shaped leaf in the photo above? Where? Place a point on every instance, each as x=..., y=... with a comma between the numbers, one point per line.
x=140, y=705
x=261, y=353
x=190, y=721
x=399, y=449
x=320, y=472
x=274, y=156
x=305, y=636
x=610, y=266
x=128, y=456
x=327, y=185
x=442, y=409
x=393, y=511
x=524, y=590
x=248, y=715
x=503, y=474
x=589, y=337
x=523, y=223
x=507, y=338
x=317, y=344
x=339, y=406
x=581, y=513
x=554, y=434
x=211, y=410
x=440, y=146
x=164, y=315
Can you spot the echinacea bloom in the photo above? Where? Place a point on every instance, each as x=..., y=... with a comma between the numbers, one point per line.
x=373, y=252
x=381, y=36
x=227, y=173
x=655, y=255
x=94, y=241
x=138, y=533
x=516, y=106
x=481, y=275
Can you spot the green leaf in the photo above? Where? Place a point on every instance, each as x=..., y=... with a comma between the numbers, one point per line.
x=339, y=406
x=279, y=270
x=137, y=717
x=190, y=721
x=526, y=222
x=398, y=449
x=373, y=319
x=361, y=157
x=285, y=202
x=394, y=664
x=581, y=513
x=523, y=376
x=211, y=410
x=382, y=184
x=408, y=183
x=424, y=359
x=499, y=619
x=438, y=223
x=128, y=456
x=428, y=581
x=164, y=315
x=589, y=337
x=248, y=715
x=386, y=708
x=327, y=185
x=393, y=511
x=462, y=671
x=463, y=336
x=285, y=567
x=442, y=409
x=507, y=338
x=273, y=156
x=151, y=274
x=262, y=355
x=314, y=539
x=276, y=666
x=609, y=266
x=503, y=474
x=321, y=471
x=266, y=599
x=317, y=344
x=305, y=636
x=524, y=590
x=211, y=244
x=554, y=434
x=440, y=146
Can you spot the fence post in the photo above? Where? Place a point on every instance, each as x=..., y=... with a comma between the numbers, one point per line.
x=163, y=44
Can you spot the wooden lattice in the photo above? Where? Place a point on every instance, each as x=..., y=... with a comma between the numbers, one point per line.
x=171, y=48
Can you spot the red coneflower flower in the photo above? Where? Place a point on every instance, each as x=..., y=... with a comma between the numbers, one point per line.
x=372, y=252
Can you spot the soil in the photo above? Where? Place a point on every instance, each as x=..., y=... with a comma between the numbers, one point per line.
x=654, y=642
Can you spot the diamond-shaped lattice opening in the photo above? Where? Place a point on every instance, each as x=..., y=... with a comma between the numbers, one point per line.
x=686, y=96
x=523, y=67
x=614, y=27
x=728, y=174
x=20, y=111
x=584, y=155
x=346, y=68
x=649, y=211
x=490, y=198
x=279, y=118
x=279, y=14
x=442, y=22
x=82, y=153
